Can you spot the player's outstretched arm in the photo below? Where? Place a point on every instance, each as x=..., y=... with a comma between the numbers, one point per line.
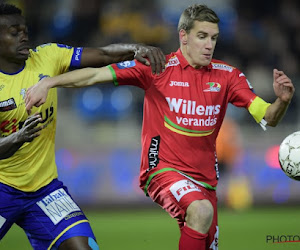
x=30, y=130
x=284, y=90
x=148, y=55
x=37, y=94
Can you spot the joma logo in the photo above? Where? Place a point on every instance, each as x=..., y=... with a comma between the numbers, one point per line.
x=179, y=84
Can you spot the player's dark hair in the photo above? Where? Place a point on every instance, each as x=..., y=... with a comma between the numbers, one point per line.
x=9, y=9
x=196, y=12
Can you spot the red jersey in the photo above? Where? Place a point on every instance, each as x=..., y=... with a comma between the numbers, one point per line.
x=183, y=111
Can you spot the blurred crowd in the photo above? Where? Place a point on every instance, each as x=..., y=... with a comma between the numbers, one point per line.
x=256, y=36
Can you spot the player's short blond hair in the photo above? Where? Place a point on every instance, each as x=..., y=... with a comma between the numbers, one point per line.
x=196, y=12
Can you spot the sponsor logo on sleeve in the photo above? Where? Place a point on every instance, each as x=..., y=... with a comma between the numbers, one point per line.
x=183, y=187
x=58, y=205
x=8, y=105
x=76, y=58
x=126, y=64
x=77, y=53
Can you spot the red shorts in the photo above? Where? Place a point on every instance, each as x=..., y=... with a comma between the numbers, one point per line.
x=175, y=192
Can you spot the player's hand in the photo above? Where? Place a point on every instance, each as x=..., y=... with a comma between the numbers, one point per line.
x=283, y=86
x=30, y=129
x=153, y=54
x=36, y=95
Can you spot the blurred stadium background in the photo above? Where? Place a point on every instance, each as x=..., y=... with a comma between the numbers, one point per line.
x=98, y=133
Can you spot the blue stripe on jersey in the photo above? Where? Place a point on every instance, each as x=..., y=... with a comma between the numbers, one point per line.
x=76, y=57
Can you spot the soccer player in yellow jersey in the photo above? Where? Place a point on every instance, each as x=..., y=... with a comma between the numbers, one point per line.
x=30, y=193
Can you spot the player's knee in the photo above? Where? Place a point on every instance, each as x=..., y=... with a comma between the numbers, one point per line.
x=199, y=215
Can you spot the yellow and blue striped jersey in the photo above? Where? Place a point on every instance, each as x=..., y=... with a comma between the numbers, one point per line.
x=33, y=165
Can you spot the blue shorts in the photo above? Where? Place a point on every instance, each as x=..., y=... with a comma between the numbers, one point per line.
x=48, y=216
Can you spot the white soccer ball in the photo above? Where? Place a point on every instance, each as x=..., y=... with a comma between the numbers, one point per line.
x=289, y=155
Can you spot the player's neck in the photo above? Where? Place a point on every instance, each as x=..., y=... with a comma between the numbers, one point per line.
x=188, y=58
x=10, y=67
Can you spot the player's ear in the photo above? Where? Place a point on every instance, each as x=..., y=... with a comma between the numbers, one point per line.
x=183, y=36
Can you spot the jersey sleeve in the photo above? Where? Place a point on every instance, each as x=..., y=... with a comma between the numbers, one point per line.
x=131, y=73
x=63, y=57
x=241, y=94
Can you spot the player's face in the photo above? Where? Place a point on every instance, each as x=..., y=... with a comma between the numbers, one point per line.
x=14, y=44
x=199, y=44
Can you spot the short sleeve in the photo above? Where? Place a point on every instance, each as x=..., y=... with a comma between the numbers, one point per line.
x=63, y=57
x=242, y=95
x=240, y=91
x=132, y=73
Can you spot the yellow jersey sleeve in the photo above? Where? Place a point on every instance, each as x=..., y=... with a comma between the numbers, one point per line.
x=58, y=56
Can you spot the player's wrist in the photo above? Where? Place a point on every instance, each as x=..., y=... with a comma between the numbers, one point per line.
x=17, y=137
x=284, y=101
x=49, y=83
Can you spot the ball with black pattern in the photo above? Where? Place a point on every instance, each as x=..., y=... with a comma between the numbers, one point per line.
x=289, y=155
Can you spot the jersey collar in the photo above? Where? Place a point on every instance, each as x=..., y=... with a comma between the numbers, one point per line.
x=14, y=73
x=184, y=63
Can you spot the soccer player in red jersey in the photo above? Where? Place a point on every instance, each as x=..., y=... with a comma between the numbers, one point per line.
x=183, y=111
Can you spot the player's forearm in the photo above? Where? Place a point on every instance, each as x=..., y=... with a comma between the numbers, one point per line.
x=9, y=145
x=276, y=112
x=80, y=78
x=118, y=52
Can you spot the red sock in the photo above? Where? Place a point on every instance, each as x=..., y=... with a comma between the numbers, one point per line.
x=192, y=240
